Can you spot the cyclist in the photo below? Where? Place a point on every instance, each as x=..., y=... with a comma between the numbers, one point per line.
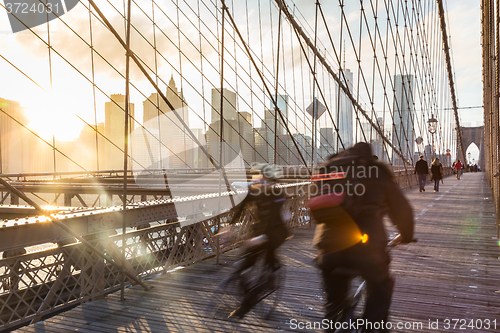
x=269, y=203
x=350, y=235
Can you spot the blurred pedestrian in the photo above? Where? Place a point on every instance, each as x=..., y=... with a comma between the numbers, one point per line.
x=350, y=233
x=269, y=201
x=437, y=173
x=422, y=170
x=458, y=168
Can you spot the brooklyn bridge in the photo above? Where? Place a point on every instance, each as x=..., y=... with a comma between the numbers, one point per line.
x=130, y=132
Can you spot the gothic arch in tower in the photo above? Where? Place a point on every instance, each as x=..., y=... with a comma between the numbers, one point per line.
x=472, y=135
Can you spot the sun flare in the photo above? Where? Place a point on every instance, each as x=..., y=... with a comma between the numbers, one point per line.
x=50, y=116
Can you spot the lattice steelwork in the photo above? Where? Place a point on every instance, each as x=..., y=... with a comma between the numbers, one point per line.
x=39, y=283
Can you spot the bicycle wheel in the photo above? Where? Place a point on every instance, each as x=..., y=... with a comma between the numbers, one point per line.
x=270, y=292
x=227, y=297
x=358, y=298
x=352, y=309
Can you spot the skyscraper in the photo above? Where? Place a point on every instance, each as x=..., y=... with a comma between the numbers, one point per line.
x=345, y=111
x=247, y=142
x=229, y=105
x=155, y=106
x=14, y=139
x=237, y=129
x=377, y=142
x=403, y=135
x=326, y=142
x=304, y=144
x=165, y=132
x=282, y=102
x=114, y=130
x=265, y=138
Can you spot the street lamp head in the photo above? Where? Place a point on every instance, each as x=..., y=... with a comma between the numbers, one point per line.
x=432, y=122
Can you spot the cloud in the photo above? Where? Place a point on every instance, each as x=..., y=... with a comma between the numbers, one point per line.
x=73, y=44
x=464, y=29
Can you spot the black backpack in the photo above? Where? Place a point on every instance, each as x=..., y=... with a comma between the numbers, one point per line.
x=343, y=175
x=337, y=192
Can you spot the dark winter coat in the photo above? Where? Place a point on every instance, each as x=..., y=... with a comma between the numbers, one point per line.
x=381, y=195
x=437, y=172
x=421, y=167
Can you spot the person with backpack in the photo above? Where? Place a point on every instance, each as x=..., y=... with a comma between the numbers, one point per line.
x=351, y=195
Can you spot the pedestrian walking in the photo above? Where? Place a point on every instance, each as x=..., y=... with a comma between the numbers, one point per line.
x=437, y=173
x=422, y=170
x=458, y=168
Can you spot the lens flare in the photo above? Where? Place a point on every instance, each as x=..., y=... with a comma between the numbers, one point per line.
x=364, y=238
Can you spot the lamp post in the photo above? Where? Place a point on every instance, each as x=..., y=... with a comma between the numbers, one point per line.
x=432, y=123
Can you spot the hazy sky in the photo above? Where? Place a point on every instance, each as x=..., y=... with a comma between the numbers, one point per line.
x=48, y=114
x=465, y=31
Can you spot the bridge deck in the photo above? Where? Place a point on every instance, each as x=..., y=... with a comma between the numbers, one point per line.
x=452, y=272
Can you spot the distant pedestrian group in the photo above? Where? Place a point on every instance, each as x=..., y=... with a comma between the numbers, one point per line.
x=422, y=170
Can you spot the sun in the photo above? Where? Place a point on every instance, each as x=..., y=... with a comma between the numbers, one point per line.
x=50, y=116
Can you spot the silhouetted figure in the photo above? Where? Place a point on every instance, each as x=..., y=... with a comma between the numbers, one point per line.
x=269, y=203
x=458, y=168
x=350, y=233
x=437, y=173
x=422, y=170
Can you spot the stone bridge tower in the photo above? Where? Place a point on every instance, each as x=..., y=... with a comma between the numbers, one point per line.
x=472, y=135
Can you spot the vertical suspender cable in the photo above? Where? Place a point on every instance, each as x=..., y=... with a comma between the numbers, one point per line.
x=276, y=90
x=158, y=109
x=339, y=91
x=50, y=76
x=221, y=127
x=93, y=87
x=125, y=151
x=315, y=104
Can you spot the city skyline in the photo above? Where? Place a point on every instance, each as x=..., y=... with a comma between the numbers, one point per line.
x=256, y=142
x=103, y=151
x=65, y=97
x=58, y=92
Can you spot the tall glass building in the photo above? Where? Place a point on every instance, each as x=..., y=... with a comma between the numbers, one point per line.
x=403, y=135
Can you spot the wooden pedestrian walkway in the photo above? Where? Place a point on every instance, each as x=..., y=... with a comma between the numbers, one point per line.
x=452, y=272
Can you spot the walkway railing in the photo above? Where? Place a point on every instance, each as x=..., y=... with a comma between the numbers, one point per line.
x=58, y=273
